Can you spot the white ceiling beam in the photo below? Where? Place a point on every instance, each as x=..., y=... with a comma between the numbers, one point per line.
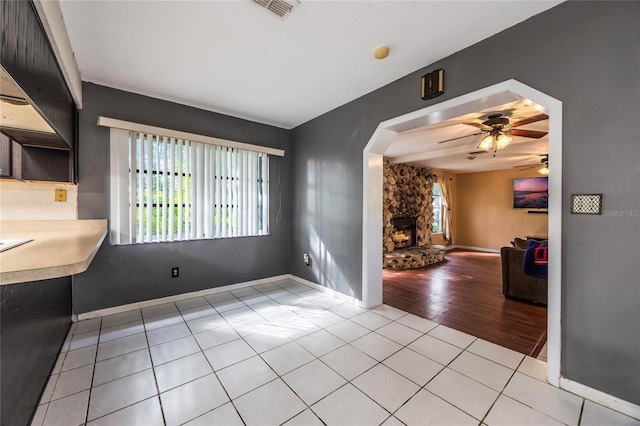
x=432, y=155
x=457, y=150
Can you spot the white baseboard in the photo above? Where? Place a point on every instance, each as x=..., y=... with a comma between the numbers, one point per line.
x=153, y=302
x=330, y=291
x=177, y=297
x=601, y=398
x=482, y=249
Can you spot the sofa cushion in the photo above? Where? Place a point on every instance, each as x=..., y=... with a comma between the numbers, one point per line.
x=515, y=283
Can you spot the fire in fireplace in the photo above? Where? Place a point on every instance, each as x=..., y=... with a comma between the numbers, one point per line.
x=404, y=232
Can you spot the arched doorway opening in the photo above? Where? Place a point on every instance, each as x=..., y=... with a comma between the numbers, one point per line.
x=488, y=97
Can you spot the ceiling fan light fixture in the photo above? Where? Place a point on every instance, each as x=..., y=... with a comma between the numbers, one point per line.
x=486, y=143
x=544, y=170
x=503, y=141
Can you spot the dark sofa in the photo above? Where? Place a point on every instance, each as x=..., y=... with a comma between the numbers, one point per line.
x=515, y=283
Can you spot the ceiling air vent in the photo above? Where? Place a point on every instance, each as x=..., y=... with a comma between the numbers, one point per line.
x=279, y=7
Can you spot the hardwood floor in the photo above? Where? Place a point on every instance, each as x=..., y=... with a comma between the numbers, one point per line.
x=465, y=293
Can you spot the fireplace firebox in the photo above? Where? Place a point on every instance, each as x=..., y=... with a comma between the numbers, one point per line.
x=404, y=232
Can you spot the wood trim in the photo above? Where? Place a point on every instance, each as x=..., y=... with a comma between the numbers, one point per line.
x=539, y=345
x=145, y=128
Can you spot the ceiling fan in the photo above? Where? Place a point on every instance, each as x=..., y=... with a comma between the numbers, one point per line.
x=544, y=162
x=500, y=130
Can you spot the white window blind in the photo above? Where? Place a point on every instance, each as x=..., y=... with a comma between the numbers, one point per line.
x=172, y=189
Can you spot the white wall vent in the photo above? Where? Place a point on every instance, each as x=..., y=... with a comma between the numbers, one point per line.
x=280, y=7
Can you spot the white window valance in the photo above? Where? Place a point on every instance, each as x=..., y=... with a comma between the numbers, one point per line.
x=194, y=137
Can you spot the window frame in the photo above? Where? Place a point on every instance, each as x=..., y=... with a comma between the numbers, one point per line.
x=440, y=216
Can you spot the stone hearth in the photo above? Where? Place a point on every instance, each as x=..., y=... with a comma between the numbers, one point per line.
x=413, y=257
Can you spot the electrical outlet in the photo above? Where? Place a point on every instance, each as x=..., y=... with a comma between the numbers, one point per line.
x=175, y=272
x=61, y=196
x=306, y=258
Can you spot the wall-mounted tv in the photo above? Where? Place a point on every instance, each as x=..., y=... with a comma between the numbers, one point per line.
x=531, y=193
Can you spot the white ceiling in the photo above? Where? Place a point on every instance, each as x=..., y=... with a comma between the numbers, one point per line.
x=421, y=146
x=237, y=58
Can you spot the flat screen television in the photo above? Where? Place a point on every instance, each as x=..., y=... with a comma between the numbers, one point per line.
x=531, y=193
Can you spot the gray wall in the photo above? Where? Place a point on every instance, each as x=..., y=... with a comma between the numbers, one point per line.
x=126, y=274
x=586, y=55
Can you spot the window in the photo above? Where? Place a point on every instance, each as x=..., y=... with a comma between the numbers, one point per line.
x=437, y=209
x=172, y=189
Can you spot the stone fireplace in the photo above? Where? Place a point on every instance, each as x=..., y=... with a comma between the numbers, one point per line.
x=407, y=217
x=407, y=194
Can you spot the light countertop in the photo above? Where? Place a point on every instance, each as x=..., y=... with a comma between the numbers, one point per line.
x=59, y=248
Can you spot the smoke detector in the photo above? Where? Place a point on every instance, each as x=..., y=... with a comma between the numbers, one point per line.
x=280, y=7
x=381, y=52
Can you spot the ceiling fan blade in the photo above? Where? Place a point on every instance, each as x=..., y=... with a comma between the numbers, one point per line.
x=527, y=167
x=478, y=125
x=461, y=137
x=535, y=134
x=530, y=120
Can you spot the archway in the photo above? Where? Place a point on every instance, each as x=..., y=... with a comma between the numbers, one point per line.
x=488, y=97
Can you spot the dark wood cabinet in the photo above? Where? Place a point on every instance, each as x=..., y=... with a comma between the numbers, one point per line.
x=26, y=55
x=25, y=162
x=46, y=164
x=35, y=319
x=31, y=77
x=5, y=156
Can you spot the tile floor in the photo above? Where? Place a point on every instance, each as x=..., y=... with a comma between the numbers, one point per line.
x=282, y=353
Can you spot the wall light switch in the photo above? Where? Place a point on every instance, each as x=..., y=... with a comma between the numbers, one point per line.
x=61, y=196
